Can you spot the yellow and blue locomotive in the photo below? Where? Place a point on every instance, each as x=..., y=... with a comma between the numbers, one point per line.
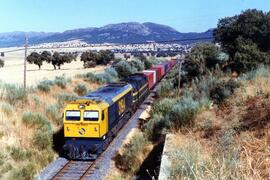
x=91, y=121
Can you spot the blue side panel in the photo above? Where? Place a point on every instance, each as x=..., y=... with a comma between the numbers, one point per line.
x=107, y=93
x=166, y=66
x=137, y=80
x=113, y=111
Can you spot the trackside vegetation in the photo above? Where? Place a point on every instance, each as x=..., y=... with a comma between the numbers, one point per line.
x=219, y=129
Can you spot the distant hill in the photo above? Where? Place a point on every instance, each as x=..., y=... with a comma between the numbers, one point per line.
x=113, y=33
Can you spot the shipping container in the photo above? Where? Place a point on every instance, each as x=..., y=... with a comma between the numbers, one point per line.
x=162, y=69
x=155, y=74
x=158, y=72
x=150, y=79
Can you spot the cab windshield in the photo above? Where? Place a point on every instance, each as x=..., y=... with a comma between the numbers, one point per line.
x=73, y=115
x=90, y=115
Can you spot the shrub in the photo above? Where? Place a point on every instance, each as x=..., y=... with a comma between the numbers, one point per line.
x=53, y=113
x=164, y=106
x=89, y=64
x=112, y=72
x=65, y=97
x=42, y=139
x=101, y=78
x=45, y=157
x=156, y=127
x=183, y=112
x=124, y=69
x=45, y=85
x=15, y=93
x=7, y=108
x=165, y=88
x=129, y=160
x=80, y=89
x=137, y=64
x=60, y=81
x=34, y=119
x=36, y=99
x=2, y=63
x=90, y=77
x=19, y=154
x=26, y=171
x=223, y=90
x=147, y=63
x=2, y=158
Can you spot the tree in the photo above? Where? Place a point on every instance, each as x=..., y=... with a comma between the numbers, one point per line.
x=89, y=56
x=35, y=58
x=244, y=37
x=205, y=56
x=46, y=56
x=104, y=57
x=2, y=63
x=57, y=60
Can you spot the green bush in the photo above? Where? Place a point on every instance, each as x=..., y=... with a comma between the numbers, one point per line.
x=42, y=139
x=223, y=90
x=36, y=99
x=15, y=93
x=129, y=161
x=124, y=69
x=164, y=88
x=27, y=171
x=7, y=108
x=101, y=78
x=183, y=112
x=44, y=157
x=2, y=158
x=112, y=72
x=64, y=97
x=60, y=81
x=19, y=154
x=45, y=85
x=53, y=113
x=89, y=64
x=156, y=127
x=80, y=89
x=164, y=106
x=34, y=119
x=137, y=64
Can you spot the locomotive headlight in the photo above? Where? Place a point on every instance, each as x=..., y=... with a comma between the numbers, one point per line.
x=81, y=106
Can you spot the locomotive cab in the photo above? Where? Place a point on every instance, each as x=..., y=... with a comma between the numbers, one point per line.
x=85, y=119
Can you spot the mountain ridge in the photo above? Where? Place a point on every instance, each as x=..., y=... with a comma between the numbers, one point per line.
x=126, y=32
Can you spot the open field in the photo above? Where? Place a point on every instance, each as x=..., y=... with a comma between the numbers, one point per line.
x=12, y=72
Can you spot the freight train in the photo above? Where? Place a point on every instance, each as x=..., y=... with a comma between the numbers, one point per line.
x=92, y=121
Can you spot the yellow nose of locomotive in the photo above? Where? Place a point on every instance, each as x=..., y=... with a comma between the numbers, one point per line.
x=85, y=120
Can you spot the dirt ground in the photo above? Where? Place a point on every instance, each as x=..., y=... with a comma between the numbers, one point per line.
x=12, y=72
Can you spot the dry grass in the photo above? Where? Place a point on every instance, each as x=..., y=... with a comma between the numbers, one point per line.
x=230, y=141
x=15, y=134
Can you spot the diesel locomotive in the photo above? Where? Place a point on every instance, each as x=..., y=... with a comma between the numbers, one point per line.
x=92, y=121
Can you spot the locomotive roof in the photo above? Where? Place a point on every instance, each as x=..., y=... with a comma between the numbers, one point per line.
x=109, y=93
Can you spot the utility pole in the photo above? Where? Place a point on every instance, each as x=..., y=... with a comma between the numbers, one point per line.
x=25, y=58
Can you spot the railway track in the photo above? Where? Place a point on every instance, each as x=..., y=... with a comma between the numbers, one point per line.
x=75, y=170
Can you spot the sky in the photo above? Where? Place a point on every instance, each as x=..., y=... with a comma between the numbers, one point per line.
x=61, y=15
